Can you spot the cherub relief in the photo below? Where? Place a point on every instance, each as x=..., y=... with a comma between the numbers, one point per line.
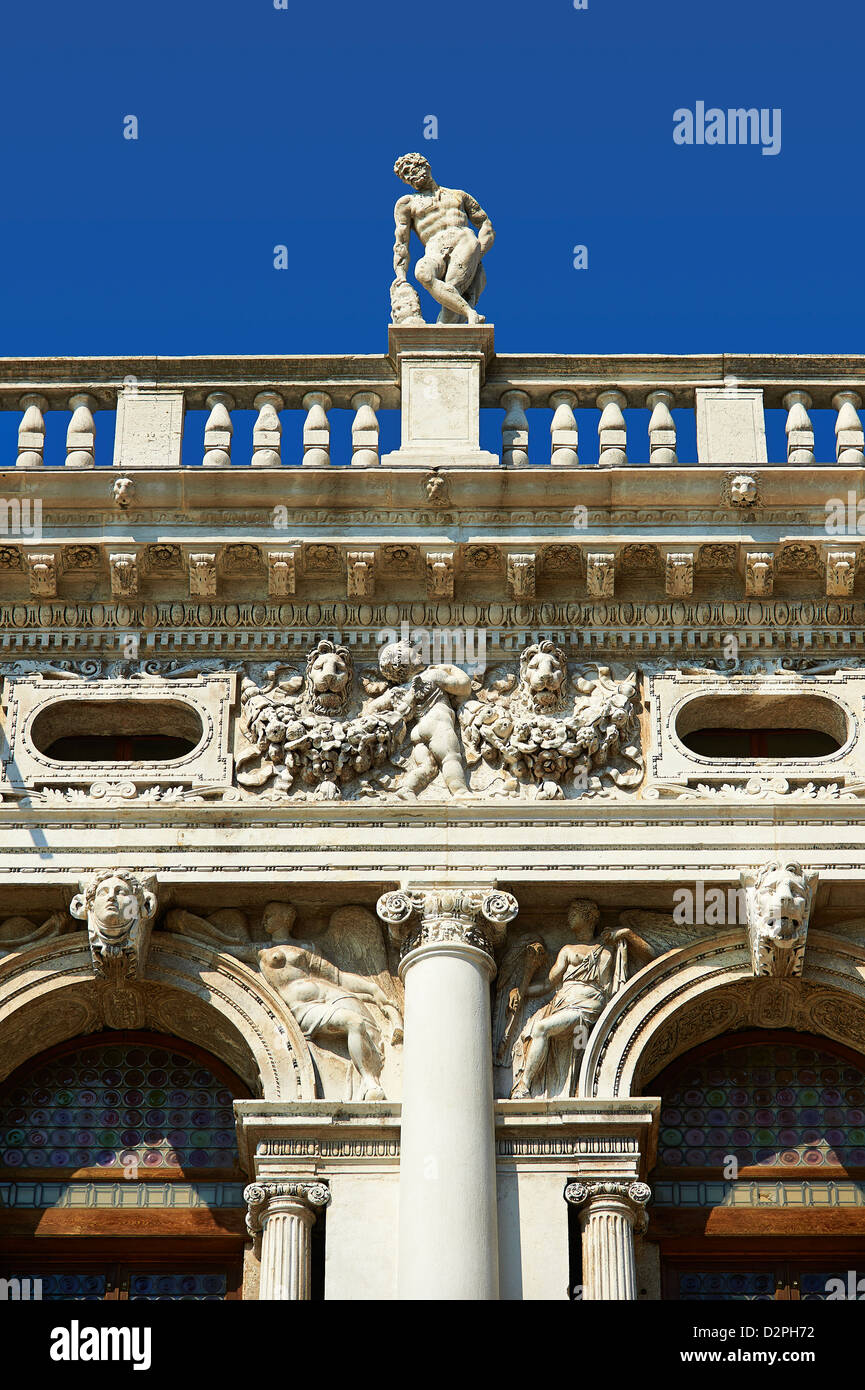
x=421, y=695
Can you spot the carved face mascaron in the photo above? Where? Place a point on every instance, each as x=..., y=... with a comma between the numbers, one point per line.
x=114, y=908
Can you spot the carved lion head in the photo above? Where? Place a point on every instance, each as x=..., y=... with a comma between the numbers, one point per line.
x=329, y=678
x=782, y=898
x=543, y=674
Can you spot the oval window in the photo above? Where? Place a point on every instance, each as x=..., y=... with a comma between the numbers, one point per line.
x=117, y=731
x=770, y=727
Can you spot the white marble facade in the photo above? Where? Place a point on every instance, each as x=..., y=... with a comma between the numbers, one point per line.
x=414, y=875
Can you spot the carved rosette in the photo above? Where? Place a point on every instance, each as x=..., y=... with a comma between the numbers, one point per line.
x=475, y=917
x=633, y=1196
x=259, y=1195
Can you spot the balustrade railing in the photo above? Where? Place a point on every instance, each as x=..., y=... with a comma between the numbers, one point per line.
x=151, y=398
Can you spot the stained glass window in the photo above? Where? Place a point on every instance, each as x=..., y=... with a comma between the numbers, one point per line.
x=64, y=1288
x=141, y=1106
x=777, y=1105
x=697, y=1286
x=175, y=1288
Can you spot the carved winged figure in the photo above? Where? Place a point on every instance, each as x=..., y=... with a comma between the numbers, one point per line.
x=553, y=987
x=338, y=987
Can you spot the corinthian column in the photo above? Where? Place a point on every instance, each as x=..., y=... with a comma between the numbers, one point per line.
x=610, y=1212
x=448, y=1235
x=282, y=1215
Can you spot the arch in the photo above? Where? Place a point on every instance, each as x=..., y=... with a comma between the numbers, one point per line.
x=690, y=995
x=785, y=1103
x=48, y=993
x=95, y=1104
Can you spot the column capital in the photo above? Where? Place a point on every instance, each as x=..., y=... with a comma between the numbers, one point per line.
x=461, y=916
x=633, y=1196
x=259, y=1196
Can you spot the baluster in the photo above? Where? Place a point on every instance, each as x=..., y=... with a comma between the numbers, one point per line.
x=800, y=433
x=81, y=434
x=31, y=432
x=612, y=433
x=563, y=430
x=515, y=430
x=364, y=430
x=218, y=431
x=316, y=430
x=267, y=430
x=849, y=437
x=662, y=429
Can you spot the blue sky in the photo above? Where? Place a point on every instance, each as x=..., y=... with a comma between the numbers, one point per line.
x=260, y=127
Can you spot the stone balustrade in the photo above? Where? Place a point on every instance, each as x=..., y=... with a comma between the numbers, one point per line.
x=452, y=377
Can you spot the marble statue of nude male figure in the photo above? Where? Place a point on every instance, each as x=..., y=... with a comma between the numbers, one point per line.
x=444, y=220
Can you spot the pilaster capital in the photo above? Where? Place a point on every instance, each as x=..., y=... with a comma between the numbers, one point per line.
x=259, y=1196
x=632, y=1196
x=469, y=916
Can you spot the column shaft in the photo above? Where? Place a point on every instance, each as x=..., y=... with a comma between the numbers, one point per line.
x=448, y=1241
x=609, y=1269
x=285, y=1252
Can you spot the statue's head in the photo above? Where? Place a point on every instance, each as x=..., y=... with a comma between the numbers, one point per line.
x=278, y=920
x=543, y=674
x=113, y=901
x=329, y=678
x=413, y=169
x=583, y=918
x=399, y=661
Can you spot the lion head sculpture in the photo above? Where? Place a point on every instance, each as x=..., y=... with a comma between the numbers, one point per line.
x=779, y=898
x=543, y=675
x=329, y=679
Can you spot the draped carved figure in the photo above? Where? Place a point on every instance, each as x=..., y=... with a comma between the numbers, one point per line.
x=572, y=973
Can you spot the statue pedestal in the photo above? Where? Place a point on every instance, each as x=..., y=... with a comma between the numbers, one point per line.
x=441, y=371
